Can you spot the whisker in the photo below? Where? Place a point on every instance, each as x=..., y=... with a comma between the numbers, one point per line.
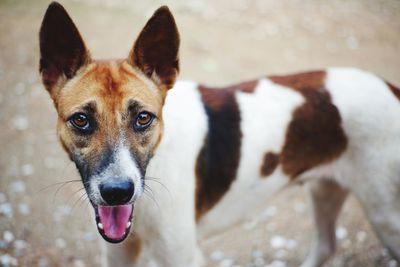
x=147, y=189
x=60, y=187
x=85, y=198
x=71, y=197
x=157, y=180
x=149, y=193
x=152, y=178
x=58, y=183
x=78, y=200
x=63, y=178
x=80, y=189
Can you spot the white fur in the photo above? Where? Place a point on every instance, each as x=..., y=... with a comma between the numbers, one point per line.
x=370, y=166
x=265, y=115
x=158, y=221
x=123, y=165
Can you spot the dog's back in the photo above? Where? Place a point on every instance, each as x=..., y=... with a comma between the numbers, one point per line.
x=236, y=146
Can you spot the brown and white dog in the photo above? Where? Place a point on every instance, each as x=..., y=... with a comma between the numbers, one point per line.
x=219, y=153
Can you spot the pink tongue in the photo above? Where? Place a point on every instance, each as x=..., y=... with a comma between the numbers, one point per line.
x=114, y=220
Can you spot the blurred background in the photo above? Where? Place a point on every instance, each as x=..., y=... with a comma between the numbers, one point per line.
x=46, y=222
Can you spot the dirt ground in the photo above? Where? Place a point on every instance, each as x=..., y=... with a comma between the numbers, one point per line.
x=46, y=222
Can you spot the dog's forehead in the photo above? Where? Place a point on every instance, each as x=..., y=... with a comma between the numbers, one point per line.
x=111, y=86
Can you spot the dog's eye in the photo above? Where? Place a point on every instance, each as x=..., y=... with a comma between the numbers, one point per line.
x=80, y=121
x=143, y=120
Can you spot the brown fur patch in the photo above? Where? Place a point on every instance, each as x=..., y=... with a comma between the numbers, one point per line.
x=245, y=87
x=394, y=89
x=109, y=86
x=133, y=247
x=269, y=164
x=215, y=98
x=218, y=160
x=314, y=135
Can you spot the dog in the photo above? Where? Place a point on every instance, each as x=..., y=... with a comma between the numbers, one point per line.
x=219, y=153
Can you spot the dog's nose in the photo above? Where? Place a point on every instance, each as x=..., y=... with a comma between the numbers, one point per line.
x=117, y=191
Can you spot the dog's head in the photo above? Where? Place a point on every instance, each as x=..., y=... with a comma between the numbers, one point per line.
x=109, y=112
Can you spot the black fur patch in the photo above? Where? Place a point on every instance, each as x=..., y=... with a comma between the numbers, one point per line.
x=62, y=50
x=218, y=160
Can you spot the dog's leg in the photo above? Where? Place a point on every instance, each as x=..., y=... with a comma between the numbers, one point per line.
x=327, y=199
x=121, y=255
x=382, y=206
x=386, y=223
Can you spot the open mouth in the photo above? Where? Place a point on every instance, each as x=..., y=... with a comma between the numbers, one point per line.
x=114, y=222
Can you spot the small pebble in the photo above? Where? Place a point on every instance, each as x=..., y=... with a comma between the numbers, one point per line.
x=6, y=210
x=217, y=255
x=27, y=169
x=24, y=209
x=277, y=242
x=6, y=261
x=8, y=236
x=291, y=244
x=3, y=244
x=341, y=233
x=20, y=246
x=152, y=263
x=226, y=263
x=259, y=262
x=257, y=254
x=89, y=236
x=43, y=262
x=79, y=263
x=61, y=212
x=277, y=263
x=392, y=263
x=60, y=243
x=268, y=213
x=20, y=123
x=17, y=186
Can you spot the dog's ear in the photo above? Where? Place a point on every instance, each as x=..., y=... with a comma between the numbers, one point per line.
x=155, y=51
x=62, y=50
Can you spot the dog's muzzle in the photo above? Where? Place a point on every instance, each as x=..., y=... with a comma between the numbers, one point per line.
x=114, y=218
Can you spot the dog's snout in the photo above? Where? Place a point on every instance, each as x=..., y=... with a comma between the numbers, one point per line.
x=117, y=191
